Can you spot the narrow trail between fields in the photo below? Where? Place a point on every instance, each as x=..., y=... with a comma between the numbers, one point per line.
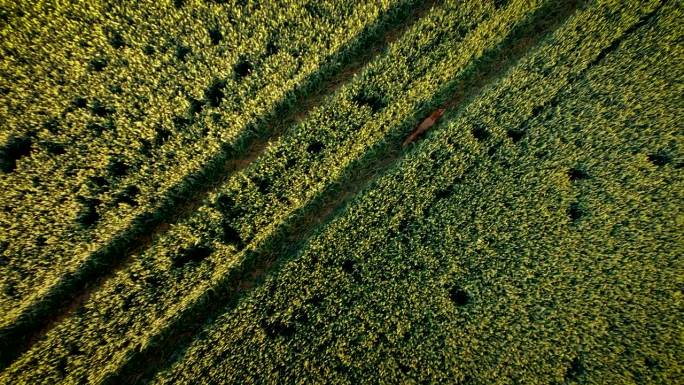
x=74, y=290
x=293, y=235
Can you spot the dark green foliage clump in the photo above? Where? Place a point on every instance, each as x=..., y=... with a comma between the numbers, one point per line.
x=263, y=185
x=226, y=205
x=243, y=68
x=128, y=196
x=574, y=370
x=15, y=148
x=576, y=211
x=230, y=212
x=315, y=147
x=277, y=329
x=459, y=296
x=97, y=183
x=370, y=99
x=98, y=108
x=272, y=47
x=660, y=158
x=88, y=216
x=117, y=168
x=578, y=173
x=182, y=51
x=117, y=41
x=500, y=3
x=149, y=50
x=515, y=134
x=480, y=132
x=214, y=93
x=98, y=64
x=192, y=254
x=52, y=125
x=54, y=148
x=231, y=236
x=196, y=106
x=98, y=128
x=215, y=35
x=79, y=102
x=162, y=135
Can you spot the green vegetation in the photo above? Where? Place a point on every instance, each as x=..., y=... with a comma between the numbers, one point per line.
x=529, y=237
x=540, y=246
x=171, y=116
x=197, y=256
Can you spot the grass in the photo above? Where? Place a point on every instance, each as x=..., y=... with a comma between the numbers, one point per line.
x=81, y=238
x=182, y=199
x=528, y=237
x=445, y=273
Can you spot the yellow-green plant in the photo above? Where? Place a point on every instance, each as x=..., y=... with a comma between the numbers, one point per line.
x=533, y=238
x=198, y=256
x=138, y=130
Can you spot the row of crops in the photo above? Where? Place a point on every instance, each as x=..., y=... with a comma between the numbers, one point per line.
x=65, y=215
x=196, y=256
x=530, y=238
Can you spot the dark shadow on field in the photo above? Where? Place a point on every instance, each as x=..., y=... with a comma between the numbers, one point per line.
x=74, y=289
x=283, y=246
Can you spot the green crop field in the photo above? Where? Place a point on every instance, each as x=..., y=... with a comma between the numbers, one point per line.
x=342, y=192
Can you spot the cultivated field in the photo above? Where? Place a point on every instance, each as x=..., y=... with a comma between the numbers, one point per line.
x=234, y=191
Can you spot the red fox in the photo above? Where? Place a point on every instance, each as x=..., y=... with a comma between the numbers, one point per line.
x=424, y=126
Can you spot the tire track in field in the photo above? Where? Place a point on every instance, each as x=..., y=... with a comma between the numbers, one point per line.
x=292, y=235
x=75, y=289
